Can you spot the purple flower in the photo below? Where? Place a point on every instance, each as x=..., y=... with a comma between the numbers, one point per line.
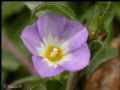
x=57, y=44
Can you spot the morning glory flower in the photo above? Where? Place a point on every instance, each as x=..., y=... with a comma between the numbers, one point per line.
x=57, y=44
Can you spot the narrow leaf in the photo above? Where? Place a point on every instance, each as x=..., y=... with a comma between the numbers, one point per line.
x=95, y=24
x=30, y=79
x=32, y=5
x=101, y=57
x=107, y=15
x=117, y=10
x=56, y=8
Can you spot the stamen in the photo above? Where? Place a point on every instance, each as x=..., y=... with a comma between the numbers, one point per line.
x=55, y=49
x=54, y=52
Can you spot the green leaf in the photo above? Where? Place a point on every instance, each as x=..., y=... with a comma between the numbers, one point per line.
x=110, y=33
x=54, y=85
x=30, y=79
x=95, y=46
x=101, y=20
x=117, y=10
x=107, y=15
x=38, y=87
x=32, y=5
x=56, y=8
x=101, y=57
x=94, y=26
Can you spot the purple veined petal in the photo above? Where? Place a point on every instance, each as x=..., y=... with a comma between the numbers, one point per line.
x=61, y=28
x=31, y=38
x=71, y=28
x=51, y=25
x=75, y=41
x=45, y=70
x=78, y=59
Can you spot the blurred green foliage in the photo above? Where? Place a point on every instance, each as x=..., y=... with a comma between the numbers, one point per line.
x=17, y=15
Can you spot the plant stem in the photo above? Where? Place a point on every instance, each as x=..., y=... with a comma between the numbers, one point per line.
x=72, y=80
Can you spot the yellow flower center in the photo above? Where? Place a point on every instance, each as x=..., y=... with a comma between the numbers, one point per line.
x=53, y=53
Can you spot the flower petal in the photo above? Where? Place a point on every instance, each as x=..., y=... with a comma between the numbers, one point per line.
x=59, y=28
x=71, y=28
x=31, y=39
x=44, y=69
x=51, y=25
x=78, y=59
x=75, y=41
